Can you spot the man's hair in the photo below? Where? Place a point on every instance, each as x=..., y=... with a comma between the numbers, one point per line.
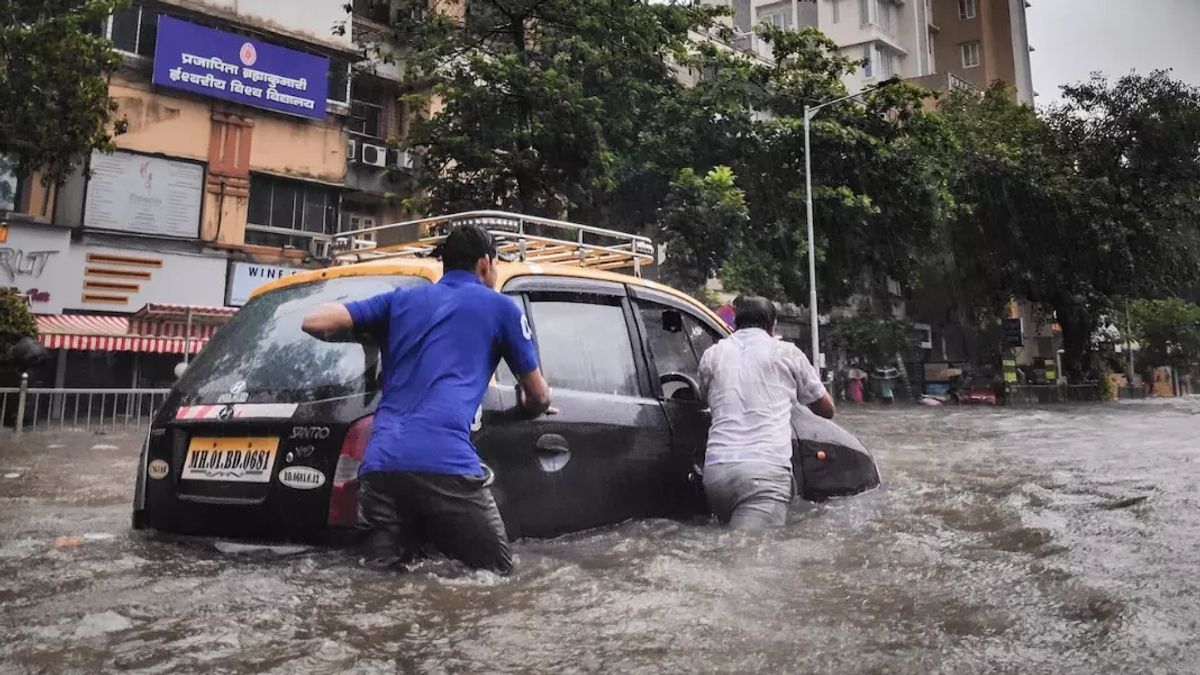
x=464, y=247
x=754, y=312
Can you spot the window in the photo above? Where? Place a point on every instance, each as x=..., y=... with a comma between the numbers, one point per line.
x=777, y=19
x=366, y=109
x=966, y=9
x=970, y=54
x=837, y=10
x=868, y=67
x=264, y=348
x=339, y=80
x=134, y=30
x=887, y=64
x=677, y=341
x=878, y=13
x=283, y=204
x=378, y=11
x=9, y=185
x=584, y=344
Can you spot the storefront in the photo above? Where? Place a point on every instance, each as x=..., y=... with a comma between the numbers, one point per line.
x=141, y=350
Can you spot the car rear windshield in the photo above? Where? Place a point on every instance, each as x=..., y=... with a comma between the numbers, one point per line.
x=264, y=356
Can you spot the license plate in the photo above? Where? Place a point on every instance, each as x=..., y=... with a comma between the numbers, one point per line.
x=236, y=460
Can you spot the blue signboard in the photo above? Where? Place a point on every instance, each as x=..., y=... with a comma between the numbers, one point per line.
x=240, y=69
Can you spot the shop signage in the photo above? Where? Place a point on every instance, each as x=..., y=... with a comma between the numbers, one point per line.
x=245, y=277
x=32, y=259
x=144, y=195
x=238, y=68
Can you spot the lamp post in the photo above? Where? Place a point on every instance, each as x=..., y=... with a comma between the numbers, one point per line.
x=809, y=113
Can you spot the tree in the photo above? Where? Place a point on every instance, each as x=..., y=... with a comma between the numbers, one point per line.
x=16, y=321
x=1071, y=210
x=870, y=340
x=543, y=102
x=699, y=224
x=1168, y=330
x=53, y=83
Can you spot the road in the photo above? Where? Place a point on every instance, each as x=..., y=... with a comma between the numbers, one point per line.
x=1057, y=540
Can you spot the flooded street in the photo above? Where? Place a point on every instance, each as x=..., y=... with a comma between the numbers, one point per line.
x=1056, y=540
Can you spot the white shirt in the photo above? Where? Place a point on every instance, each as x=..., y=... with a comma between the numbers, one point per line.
x=751, y=382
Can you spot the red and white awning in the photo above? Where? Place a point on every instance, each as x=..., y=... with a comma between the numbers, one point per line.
x=153, y=334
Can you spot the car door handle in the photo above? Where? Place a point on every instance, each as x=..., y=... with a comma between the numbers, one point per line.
x=553, y=444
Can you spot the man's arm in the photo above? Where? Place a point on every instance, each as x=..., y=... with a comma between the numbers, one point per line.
x=516, y=337
x=823, y=407
x=810, y=390
x=330, y=322
x=533, y=395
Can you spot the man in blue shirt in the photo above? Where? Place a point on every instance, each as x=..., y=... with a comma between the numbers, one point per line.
x=421, y=479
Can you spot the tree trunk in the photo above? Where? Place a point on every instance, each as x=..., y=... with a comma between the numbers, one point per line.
x=1077, y=329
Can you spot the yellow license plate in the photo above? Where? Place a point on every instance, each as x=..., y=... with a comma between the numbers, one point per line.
x=237, y=460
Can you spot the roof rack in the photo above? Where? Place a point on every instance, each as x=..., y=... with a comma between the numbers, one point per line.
x=530, y=239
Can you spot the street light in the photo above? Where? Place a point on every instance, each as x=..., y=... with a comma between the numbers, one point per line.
x=809, y=113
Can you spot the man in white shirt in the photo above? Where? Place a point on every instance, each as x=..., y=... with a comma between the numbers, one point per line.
x=751, y=381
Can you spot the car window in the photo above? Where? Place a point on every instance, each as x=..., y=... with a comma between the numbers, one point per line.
x=263, y=354
x=668, y=336
x=701, y=335
x=584, y=343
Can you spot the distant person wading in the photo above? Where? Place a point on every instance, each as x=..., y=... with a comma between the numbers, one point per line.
x=421, y=480
x=751, y=381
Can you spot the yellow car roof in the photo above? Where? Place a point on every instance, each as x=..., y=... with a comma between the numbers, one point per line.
x=432, y=270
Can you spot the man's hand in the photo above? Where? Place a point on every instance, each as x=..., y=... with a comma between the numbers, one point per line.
x=329, y=322
x=533, y=396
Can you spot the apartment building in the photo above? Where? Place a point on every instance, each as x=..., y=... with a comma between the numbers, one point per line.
x=977, y=42
x=940, y=44
x=256, y=133
x=891, y=37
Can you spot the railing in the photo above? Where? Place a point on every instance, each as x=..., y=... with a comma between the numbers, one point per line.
x=1025, y=394
x=37, y=408
x=529, y=239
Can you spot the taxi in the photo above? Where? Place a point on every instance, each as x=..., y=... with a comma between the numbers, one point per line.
x=263, y=435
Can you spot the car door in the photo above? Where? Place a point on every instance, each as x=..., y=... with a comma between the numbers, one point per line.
x=675, y=336
x=599, y=459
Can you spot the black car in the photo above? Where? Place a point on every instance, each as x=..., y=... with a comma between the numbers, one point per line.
x=263, y=435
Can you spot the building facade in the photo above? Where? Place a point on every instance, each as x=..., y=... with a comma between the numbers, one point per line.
x=256, y=133
x=940, y=44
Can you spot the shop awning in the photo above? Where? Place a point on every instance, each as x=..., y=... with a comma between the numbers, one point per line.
x=152, y=329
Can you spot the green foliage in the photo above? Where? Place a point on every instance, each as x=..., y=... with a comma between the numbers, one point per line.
x=870, y=340
x=1167, y=330
x=53, y=82
x=700, y=221
x=16, y=321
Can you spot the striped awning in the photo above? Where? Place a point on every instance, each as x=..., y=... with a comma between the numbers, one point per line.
x=111, y=333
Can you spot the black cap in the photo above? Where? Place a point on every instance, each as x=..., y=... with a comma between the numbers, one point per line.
x=465, y=246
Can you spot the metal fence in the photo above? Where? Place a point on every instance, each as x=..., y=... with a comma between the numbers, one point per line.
x=36, y=408
x=1027, y=394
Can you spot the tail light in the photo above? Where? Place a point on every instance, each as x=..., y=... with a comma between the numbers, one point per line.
x=343, y=502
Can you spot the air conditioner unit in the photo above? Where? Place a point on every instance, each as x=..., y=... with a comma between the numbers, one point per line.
x=351, y=149
x=403, y=159
x=373, y=155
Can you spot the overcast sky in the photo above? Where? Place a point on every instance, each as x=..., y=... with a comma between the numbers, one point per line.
x=1072, y=38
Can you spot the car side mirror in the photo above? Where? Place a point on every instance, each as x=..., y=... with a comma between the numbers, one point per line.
x=690, y=391
x=672, y=321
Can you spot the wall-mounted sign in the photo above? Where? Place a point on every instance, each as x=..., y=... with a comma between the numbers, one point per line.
x=239, y=68
x=33, y=258
x=245, y=277
x=121, y=280
x=144, y=195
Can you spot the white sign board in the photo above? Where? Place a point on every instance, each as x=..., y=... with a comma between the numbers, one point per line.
x=144, y=195
x=245, y=277
x=34, y=259
x=104, y=279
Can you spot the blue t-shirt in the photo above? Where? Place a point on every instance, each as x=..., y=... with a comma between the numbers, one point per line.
x=441, y=343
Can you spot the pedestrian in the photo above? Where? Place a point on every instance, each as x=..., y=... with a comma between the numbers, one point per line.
x=421, y=481
x=751, y=382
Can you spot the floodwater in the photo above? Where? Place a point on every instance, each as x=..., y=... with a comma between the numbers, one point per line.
x=1057, y=540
